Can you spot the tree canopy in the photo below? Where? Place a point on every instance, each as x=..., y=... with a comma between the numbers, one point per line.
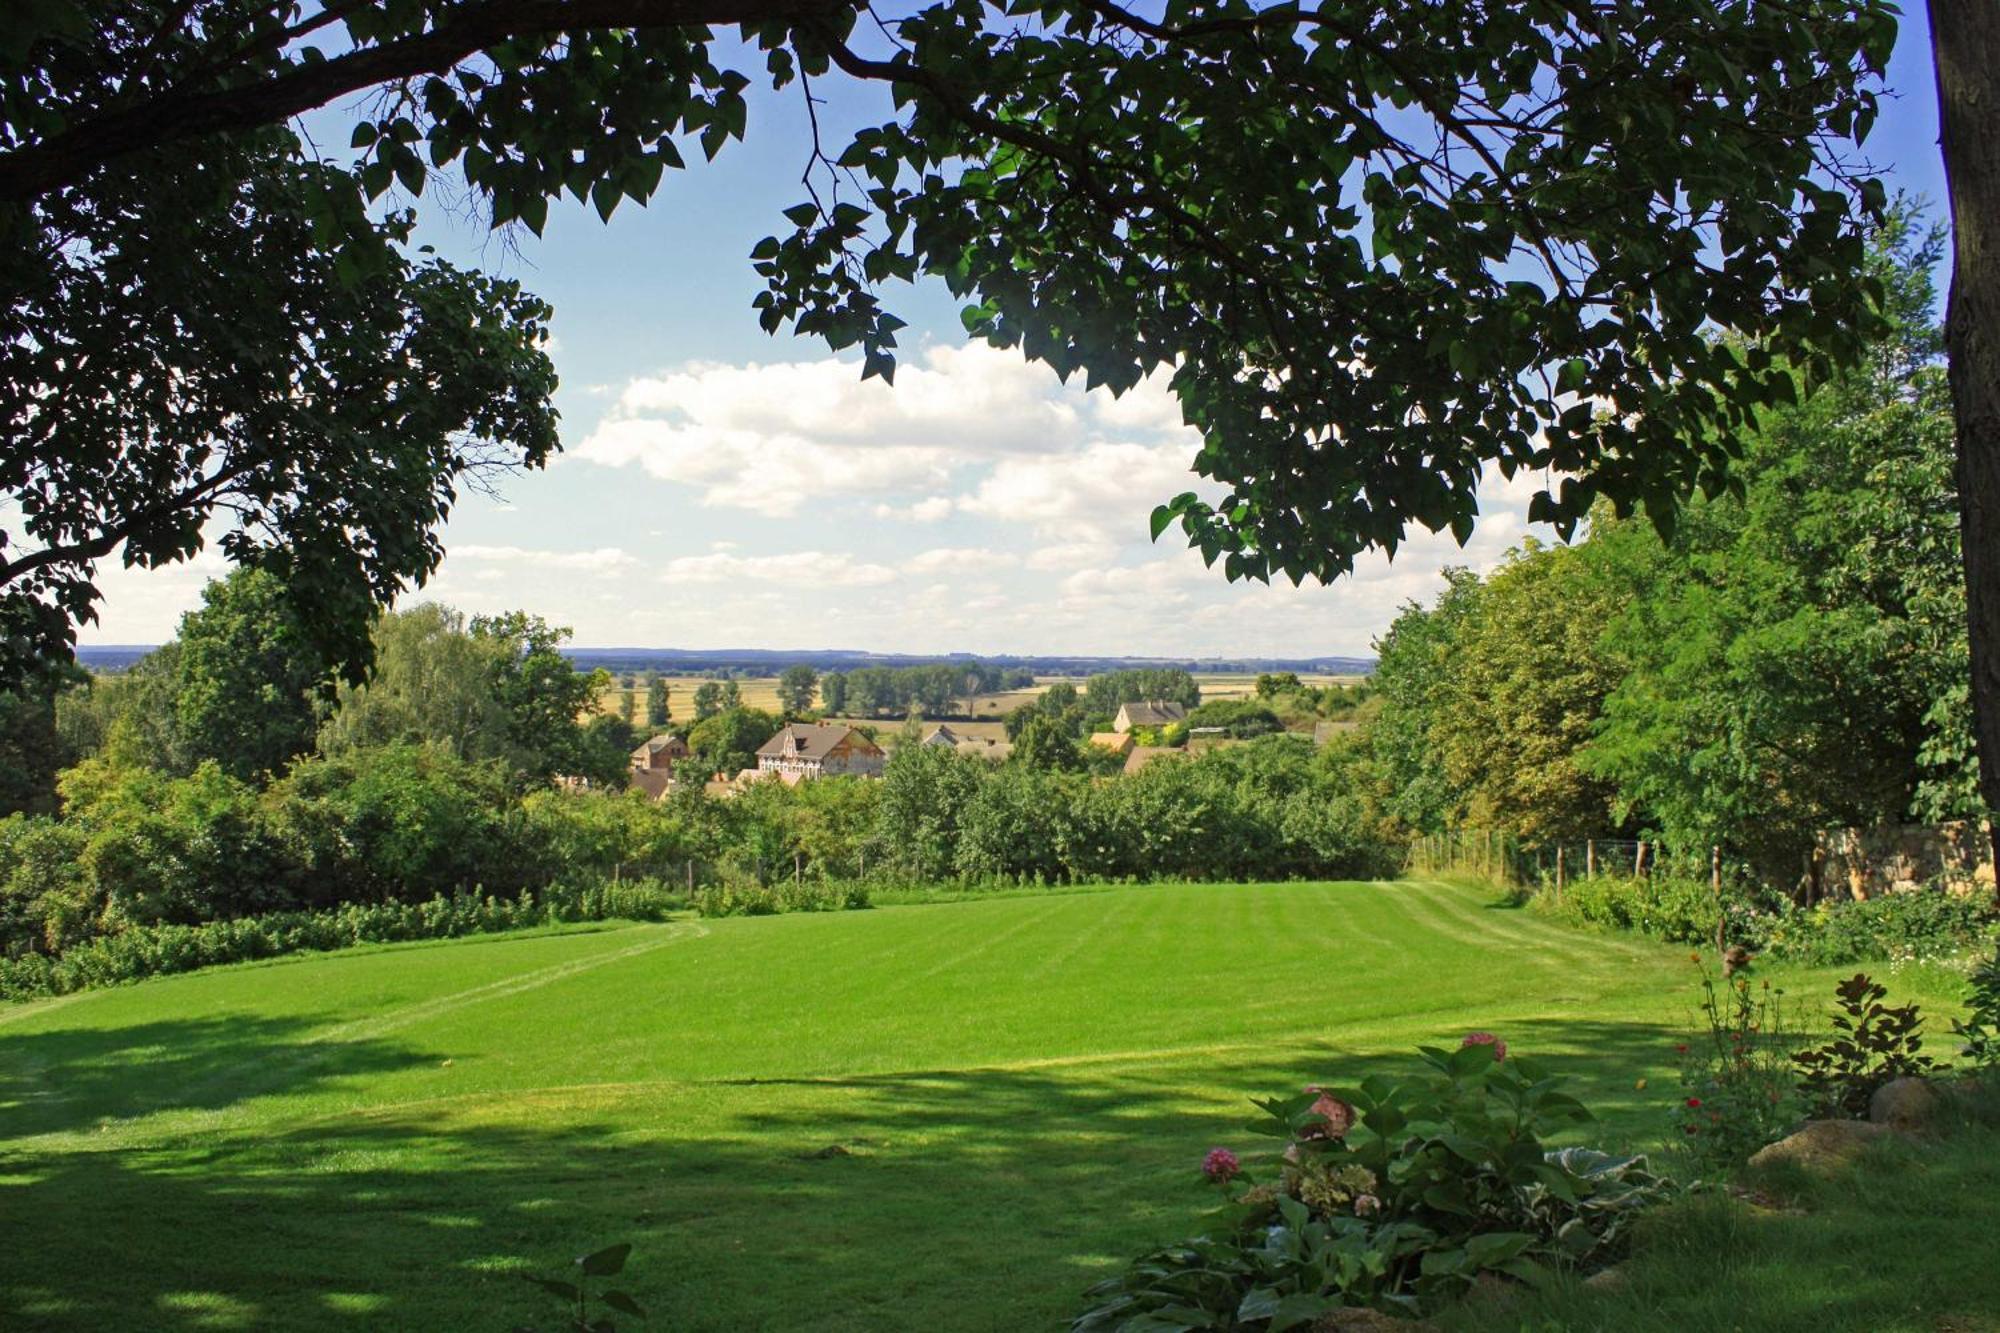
x=1559, y=200
x=1792, y=658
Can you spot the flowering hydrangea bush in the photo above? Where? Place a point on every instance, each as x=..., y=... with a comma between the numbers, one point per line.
x=1394, y=1194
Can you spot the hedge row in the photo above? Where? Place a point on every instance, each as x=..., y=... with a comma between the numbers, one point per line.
x=1927, y=923
x=149, y=951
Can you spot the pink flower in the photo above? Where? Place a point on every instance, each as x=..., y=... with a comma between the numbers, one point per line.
x=1337, y=1114
x=1487, y=1039
x=1366, y=1205
x=1221, y=1165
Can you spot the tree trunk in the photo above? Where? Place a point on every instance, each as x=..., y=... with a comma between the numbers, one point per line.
x=1965, y=44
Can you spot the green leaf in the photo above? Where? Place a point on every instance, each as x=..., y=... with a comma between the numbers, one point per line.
x=604, y=196
x=624, y=1304
x=1492, y=1248
x=605, y=1262
x=566, y=1290
x=802, y=215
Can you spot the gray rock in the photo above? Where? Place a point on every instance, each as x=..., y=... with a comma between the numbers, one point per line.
x=1908, y=1104
x=1823, y=1145
x=1608, y=1280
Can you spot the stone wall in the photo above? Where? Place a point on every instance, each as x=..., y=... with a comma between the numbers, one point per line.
x=1867, y=863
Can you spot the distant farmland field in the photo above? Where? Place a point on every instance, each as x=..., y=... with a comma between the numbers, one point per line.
x=762, y=692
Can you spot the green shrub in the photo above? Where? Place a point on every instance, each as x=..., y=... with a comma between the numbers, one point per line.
x=748, y=898
x=146, y=951
x=1738, y=1088
x=1900, y=927
x=1396, y=1194
x=1873, y=1044
x=1981, y=1028
x=1676, y=908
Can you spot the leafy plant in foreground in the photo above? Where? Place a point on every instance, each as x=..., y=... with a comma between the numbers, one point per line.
x=1981, y=1028
x=607, y=1262
x=1739, y=1090
x=1394, y=1194
x=1873, y=1044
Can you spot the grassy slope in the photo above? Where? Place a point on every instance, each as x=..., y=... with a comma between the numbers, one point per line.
x=1901, y=1241
x=1021, y=1087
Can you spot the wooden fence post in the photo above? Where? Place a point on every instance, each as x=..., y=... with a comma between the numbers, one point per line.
x=1590, y=858
x=1559, y=875
x=690, y=874
x=1639, y=861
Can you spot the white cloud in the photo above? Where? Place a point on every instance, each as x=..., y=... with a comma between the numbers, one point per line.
x=957, y=560
x=1097, y=495
x=803, y=569
x=979, y=505
x=932, y=509
x=605, y=560
x=769, y=438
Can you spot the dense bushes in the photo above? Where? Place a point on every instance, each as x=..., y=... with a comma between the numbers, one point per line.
x=399, y=824
x=1668, y=907
x=156, y=950
x=138, y=849
x=1274, y=808
x=1896, y=926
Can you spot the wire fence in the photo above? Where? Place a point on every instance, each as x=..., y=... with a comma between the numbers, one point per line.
x=1551, y=867
x=1505, y=858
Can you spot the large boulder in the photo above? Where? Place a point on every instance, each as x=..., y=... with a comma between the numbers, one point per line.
x=1908, y=1104
x=1823, y=1145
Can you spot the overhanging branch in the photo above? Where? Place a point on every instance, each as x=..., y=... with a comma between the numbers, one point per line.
x=67, y=158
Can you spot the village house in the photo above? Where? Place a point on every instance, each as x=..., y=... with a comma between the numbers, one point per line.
x=1119, y=743
x=804, y=750
x=662, y=751
x=653, y=764
x=943, y=737
x=1158, y=713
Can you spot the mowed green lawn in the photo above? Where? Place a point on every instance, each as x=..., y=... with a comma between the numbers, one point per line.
x=954, y=1116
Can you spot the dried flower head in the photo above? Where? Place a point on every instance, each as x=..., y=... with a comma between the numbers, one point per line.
x=1337, y=1115
x=1487, y=1039
x=1221, y=1165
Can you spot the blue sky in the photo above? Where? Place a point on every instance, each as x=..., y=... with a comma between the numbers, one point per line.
x=723, y=488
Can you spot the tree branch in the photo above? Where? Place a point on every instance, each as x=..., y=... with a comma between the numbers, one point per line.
x=96, y=548
x=65, y=159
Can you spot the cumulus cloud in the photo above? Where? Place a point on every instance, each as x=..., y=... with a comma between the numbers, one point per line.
x=799, y=569
x=977, y=505
x=605, y=560
x=770, y=437
x=931, y=509
x=1101, y=493
x=957, y=559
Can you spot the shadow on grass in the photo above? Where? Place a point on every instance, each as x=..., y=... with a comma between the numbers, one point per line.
x=948, y=1199
x=77, y=1078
